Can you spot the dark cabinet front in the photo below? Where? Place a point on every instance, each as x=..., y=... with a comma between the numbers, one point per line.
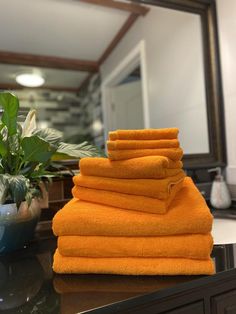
x=224, y=303
x=195, y=308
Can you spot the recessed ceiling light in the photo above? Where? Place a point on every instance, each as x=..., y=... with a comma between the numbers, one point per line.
x=30, y=79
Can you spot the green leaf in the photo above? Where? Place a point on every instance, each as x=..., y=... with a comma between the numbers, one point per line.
x=77, y=150
x=51, y=136
x=4, y=185
x=3, y=149
x=36, y=149
x=10, y=104
x=18, y=186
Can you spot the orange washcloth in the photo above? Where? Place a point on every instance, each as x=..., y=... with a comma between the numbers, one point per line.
x=132, y=265
x=145, y=134
x=127, y=201
x=150, y=167
x=188, y=213
x=141, y=144
x=146, y=187
x=196, y=246
x=172, y=153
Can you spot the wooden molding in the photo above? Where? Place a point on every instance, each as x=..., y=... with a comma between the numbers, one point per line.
x=10, y=86
x=130, y=7
x=48, y=61
x=121, y=33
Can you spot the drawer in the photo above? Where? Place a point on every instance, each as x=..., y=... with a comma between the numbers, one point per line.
x=194, y=308
x=224, y=303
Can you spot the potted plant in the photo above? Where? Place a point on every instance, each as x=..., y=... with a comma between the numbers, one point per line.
x=26, y=153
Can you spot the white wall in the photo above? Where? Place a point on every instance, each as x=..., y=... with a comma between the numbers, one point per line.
x=176, y=93
x=226, y=10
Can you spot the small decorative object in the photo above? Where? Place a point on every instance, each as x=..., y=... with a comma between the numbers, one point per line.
x=26, y=153
x=220, y=196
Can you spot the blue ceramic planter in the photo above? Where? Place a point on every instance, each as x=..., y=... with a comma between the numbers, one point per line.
x=17, y=226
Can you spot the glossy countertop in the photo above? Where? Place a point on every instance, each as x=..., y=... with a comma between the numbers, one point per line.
x=28, y=284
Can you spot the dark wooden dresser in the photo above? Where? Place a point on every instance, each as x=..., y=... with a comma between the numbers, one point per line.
x=28, y=285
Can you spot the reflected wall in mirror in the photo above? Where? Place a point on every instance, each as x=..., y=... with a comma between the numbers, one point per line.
x=119, y=65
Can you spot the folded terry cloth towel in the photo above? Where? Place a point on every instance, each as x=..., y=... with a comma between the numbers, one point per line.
x=196, y=246
x=141, y=144
x=150, y=167
x=126, y=201
x=160, y=189
x=188, y=213
x=144, y=134
x=172, y=153
x=132, y=265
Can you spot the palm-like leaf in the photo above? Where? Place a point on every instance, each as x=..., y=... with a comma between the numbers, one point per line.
x=76, y=150
x=49, y=135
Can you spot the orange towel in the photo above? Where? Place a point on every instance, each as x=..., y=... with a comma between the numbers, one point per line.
x=188, y=213
x=196, y=246
x=131, y=265
x=160, y=189
x=172, y=153
x=141, y=144
x=146, y=134
x=126, y=201
x=150, y=167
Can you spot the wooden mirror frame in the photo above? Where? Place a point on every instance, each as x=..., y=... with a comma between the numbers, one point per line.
x=213, y=84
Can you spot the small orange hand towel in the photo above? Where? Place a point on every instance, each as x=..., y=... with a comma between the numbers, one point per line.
x=197, y=246
x=160, y=189
x=188, y=213
x=141, y=144
x=131, y=265
x=174, y=154
x=150, y=167
x=144, y=134
x=126, y=201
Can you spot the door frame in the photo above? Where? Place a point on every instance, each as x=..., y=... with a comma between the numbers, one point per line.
x=135, y=57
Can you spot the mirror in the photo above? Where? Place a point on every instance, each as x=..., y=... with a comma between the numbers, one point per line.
x=141, y=64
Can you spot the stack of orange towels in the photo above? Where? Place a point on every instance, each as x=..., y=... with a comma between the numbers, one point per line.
x=135, y=212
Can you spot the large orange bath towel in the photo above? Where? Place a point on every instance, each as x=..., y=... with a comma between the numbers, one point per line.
x=150, y=167
x=141, y=144
x=172, y=153
x=131, y=265
x=126, y=201
x=160, y=189
x=144, y=134
x=196, y=246
x=188, y=213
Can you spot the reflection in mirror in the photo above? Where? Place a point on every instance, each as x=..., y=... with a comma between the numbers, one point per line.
x=135, y=66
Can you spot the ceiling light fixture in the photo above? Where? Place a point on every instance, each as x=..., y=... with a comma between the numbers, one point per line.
x=30, y=79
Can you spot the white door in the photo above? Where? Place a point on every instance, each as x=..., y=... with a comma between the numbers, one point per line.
x=126, y=106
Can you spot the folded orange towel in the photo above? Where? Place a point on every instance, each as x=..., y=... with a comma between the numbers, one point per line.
x=127, y=201
x=196, y=246
x=150, y=167
x=160, y=189
x=172, y=153
x=188, y=213
x=141, y=144
x=131, y=265
x=144, y=134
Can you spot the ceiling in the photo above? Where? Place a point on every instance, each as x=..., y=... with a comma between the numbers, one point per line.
x=68, y=29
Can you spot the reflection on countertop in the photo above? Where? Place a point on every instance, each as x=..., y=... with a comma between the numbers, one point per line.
x=28, y=284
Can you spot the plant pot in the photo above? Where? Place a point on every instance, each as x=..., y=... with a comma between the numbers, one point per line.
x=17, y=226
